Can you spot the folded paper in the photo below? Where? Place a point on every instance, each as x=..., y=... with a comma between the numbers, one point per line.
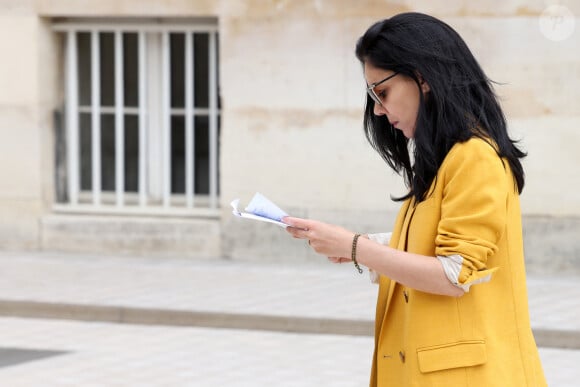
x=262, y=209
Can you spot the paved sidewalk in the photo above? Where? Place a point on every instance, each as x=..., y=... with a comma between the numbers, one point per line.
x=314, y=298
x=89, y=354
x=330, y=305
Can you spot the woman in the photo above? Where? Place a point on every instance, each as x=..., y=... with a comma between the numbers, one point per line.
x=452, y=305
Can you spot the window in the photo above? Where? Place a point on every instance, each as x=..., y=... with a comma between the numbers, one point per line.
x=142, y=116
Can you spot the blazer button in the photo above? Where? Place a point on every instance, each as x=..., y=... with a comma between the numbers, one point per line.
x=406, y=295
x=402, y=356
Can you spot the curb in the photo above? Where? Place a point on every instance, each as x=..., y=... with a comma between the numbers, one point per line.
x=172, y=317
x=550, y=338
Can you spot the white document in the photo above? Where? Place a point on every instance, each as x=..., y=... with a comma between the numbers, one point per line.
x=262, y=209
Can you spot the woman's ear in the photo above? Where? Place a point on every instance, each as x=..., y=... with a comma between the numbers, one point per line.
x=423, y=83
x=425, y=87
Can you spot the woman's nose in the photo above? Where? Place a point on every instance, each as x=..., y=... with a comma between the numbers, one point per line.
x=379, y=110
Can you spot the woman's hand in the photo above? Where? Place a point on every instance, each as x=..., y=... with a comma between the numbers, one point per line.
x=326, y=239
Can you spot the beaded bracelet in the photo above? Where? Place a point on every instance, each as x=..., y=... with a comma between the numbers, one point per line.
x=353, y=253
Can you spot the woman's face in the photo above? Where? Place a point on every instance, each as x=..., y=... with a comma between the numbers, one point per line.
x=399, y=97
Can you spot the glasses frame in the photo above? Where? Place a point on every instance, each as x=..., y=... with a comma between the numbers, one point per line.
x=371, y=88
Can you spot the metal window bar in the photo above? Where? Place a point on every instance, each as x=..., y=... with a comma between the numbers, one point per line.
x=142, y=120
x=213, y=124
x=119, y=110
x=96, y=116
x=189, y=118
x=119, y=121
x=72, y=127
x=166, y=112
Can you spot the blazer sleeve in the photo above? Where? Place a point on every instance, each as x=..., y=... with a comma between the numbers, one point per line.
x=473, y=208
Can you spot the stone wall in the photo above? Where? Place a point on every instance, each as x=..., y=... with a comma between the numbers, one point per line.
x=292, y=94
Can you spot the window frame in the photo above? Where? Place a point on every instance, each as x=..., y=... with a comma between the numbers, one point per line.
x=154, y=109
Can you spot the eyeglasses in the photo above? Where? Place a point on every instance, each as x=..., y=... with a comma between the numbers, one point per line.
x=371, y=89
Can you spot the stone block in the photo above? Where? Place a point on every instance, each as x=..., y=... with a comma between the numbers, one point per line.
x=144, y=8
x=20, y=153
x=305, y=159
x=198, y=238
x=534, y=74
x=19, y=228
x=552, y=178
x=19, y=75
x=287, y=63
x=551, y=245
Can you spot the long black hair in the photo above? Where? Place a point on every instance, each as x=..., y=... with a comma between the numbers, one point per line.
x=461, y=102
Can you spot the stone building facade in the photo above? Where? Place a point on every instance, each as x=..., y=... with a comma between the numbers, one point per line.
x=275, y=107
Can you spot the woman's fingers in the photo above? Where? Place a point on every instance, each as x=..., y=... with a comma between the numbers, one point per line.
x=303, y=224
x=297, y=227
x=297, y=232
x=338, y=259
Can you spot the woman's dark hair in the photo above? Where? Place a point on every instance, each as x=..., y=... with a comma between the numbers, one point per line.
x=461, y=102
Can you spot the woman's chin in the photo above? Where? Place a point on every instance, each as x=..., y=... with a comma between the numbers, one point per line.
x=407, y=133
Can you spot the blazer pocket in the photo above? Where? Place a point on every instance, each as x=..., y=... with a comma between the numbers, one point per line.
x=452, y=355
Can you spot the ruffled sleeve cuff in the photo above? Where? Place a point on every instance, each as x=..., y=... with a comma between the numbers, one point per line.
x=383, y=239
x=453, y=264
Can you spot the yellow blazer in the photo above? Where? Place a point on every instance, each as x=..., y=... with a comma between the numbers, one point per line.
x=482, y=338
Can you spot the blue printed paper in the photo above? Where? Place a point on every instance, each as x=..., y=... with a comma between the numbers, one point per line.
x=261, y=208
